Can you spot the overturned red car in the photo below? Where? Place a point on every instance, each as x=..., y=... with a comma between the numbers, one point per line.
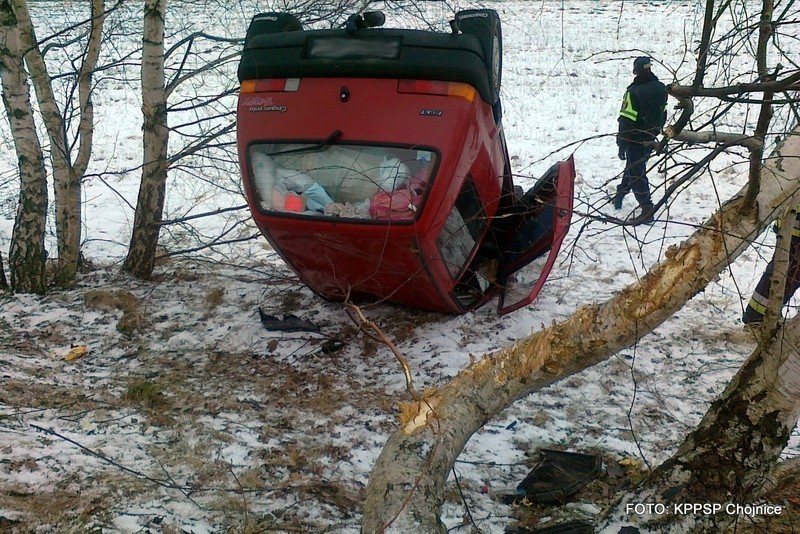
x=374, y=162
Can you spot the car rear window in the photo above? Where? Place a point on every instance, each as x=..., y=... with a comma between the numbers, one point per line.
x=372, y=182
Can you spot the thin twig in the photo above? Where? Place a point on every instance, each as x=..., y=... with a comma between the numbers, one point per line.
x=633, y=403
x=244, y=496
x=464, y=500
x=199, y=215
x=183, y=491
x=366, y=323
x=110, y=461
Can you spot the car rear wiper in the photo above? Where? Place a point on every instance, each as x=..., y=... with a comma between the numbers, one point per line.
x=330, y=140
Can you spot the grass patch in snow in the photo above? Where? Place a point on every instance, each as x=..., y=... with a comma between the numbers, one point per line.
x=148, y=395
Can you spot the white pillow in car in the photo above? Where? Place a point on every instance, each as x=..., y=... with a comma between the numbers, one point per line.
x=295, y=180
x=394, y=173
x=263, y=170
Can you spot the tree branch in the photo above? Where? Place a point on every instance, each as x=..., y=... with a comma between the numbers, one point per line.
x=788, y=83
x=729, y=139
x=205, y=141
x=92, y=54
x=201, y=215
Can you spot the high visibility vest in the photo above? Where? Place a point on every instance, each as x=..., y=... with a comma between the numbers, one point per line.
x=627, y=109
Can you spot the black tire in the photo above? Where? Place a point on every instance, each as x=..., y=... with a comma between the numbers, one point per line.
x=273, y=22
x=485, y=25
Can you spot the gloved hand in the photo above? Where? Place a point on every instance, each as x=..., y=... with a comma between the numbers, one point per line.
x=622, y=153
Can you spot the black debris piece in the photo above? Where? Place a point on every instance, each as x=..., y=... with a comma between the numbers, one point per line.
x=569, y=527
x=559, y=475
x=289, y=323
x=331, y=346
x=509, y=495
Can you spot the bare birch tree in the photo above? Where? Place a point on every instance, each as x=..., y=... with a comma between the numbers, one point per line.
x=152, y=188
x=27, y=252
x=203, y=129
x=69, y=158
x=68, y=168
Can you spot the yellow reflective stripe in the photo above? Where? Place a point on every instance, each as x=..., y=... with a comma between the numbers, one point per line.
x=795, y=230
x=757, y=306
x=627, y=110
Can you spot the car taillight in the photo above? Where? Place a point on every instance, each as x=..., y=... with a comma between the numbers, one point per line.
x=427, y=87
x=276, y=85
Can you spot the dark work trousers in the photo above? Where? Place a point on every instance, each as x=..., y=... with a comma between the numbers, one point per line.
x=758, y=303
x=635, y=176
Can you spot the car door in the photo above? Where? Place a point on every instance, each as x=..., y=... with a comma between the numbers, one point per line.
x=538, y=223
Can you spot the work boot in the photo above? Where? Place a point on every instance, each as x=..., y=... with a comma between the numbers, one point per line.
x=617, y=200
x=752, y=317
x=645, y=214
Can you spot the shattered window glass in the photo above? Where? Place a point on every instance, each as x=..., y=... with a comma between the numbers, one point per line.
x=462, y=230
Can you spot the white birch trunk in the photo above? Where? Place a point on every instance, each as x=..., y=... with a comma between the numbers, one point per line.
x=85, y=76
x=27, y=253
x=731, y=456
x=66, y=175
x=150, y=205
x=405, y=490
x=745, y=431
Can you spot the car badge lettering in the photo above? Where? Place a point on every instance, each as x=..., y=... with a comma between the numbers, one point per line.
x=258, y=104
x=431, y=112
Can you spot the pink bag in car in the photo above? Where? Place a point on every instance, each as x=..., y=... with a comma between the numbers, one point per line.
x=394, y=206
x=399, y=205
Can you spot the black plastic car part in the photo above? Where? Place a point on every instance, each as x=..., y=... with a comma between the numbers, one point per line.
x=485, y=25
x=265, y=23
x=375, y=53
x=558, y=475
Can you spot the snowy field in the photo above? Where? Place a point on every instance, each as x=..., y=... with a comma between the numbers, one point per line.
x=196, y=419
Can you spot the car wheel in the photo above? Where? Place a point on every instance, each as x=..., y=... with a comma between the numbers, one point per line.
x=273, y=22
x=485, y=25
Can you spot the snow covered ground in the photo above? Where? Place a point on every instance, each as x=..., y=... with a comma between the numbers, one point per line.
x=187, y=416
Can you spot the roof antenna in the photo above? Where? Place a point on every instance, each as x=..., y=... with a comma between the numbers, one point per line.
x=370, y=19
x=454, y=26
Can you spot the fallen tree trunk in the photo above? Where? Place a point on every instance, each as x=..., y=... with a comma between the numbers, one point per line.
x=406, y=487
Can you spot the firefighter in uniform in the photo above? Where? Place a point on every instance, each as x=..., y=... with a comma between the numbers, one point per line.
x=643, y=114
x=758, y=302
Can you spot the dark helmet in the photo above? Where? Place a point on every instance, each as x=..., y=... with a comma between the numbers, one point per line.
x=641, y=64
